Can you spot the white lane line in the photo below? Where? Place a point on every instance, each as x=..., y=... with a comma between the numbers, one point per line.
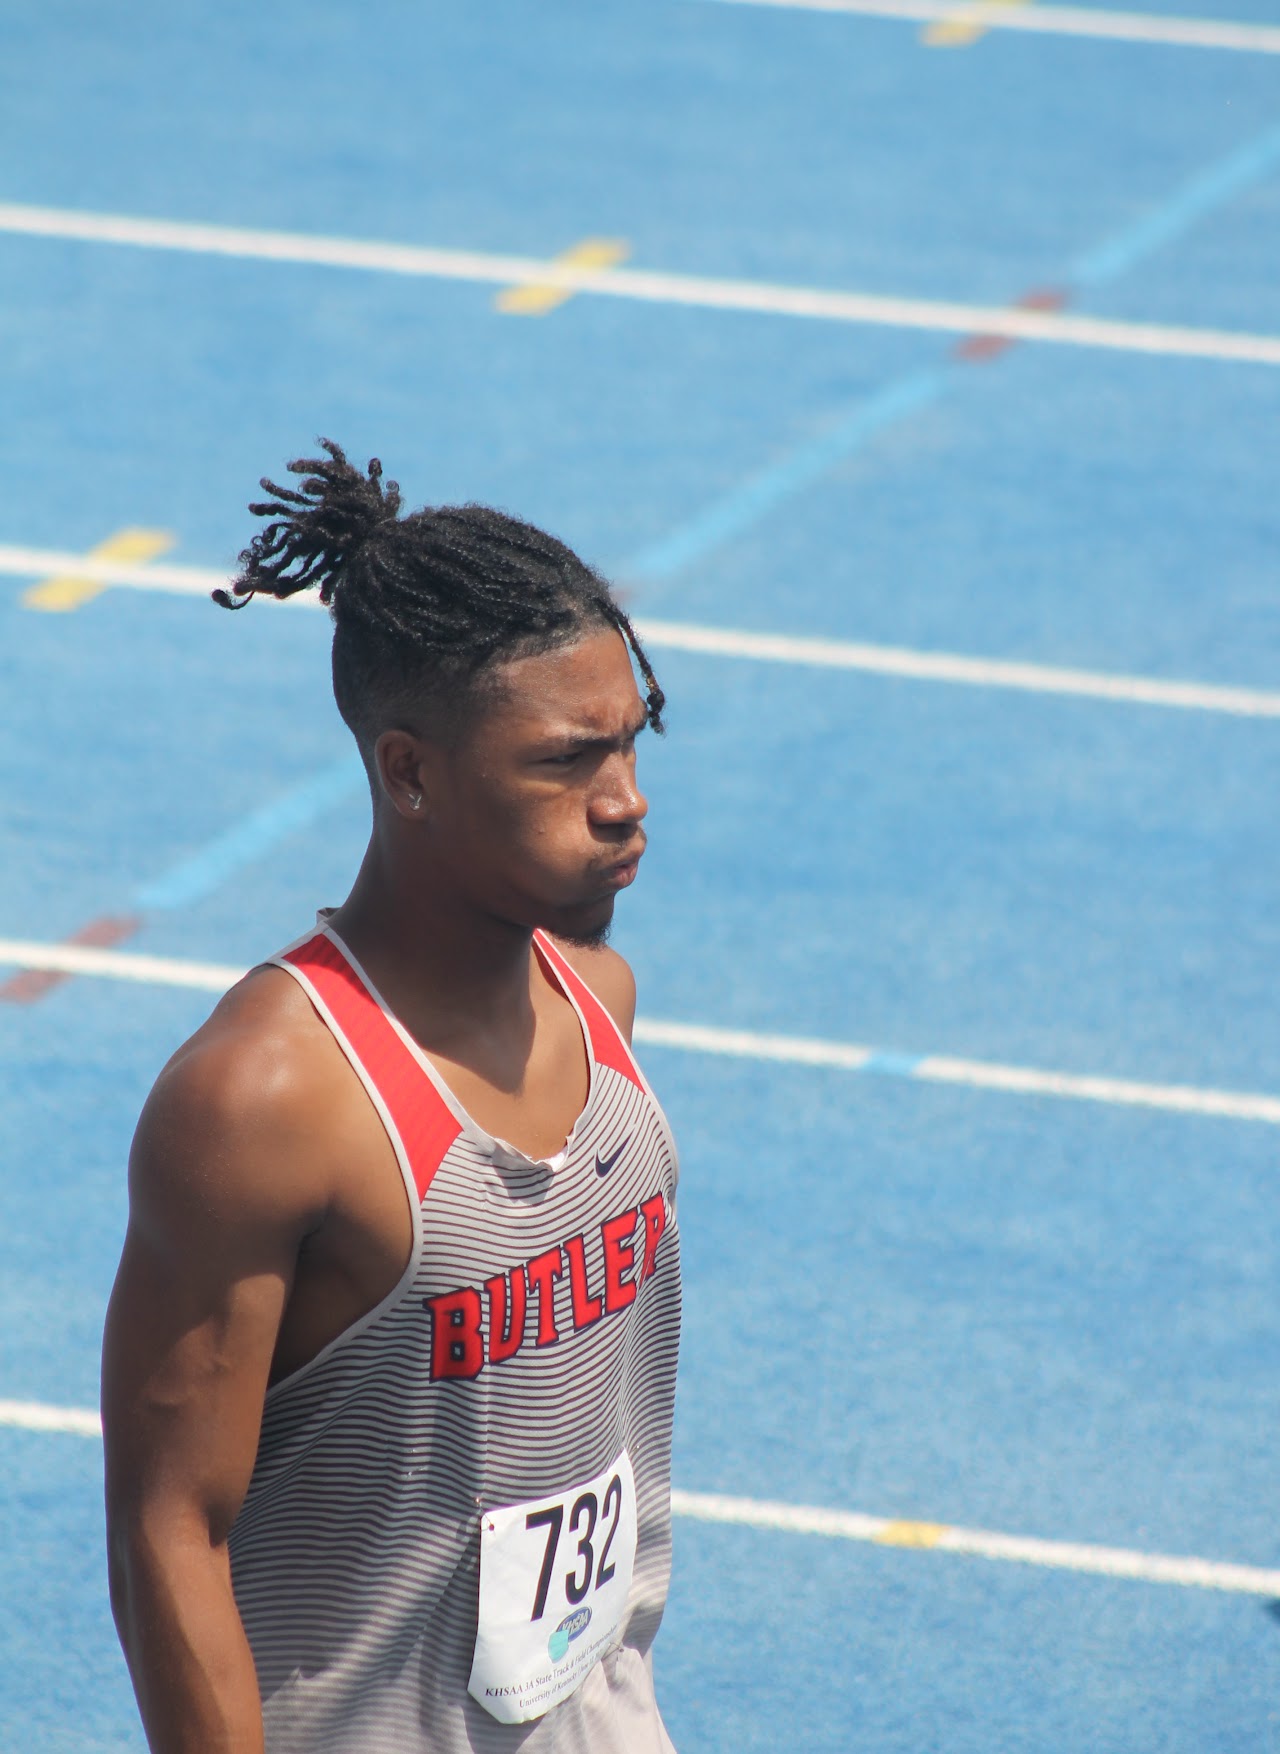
x=37, y=1416
x=180, y=581
x=728, y=642
x=745, y=1044
x=847, y=1525
x=1237, y=1105
x=944, y=1069
x=116, y=965
x=1059, y=328
x=1188, y=1099
x=1072, y=21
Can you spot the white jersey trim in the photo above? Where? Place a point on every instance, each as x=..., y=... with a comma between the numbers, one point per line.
x=406, y=1174
x=559, y=956
x=468, y=1123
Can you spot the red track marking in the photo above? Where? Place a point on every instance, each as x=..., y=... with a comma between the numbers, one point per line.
x=34, y=983
x=977, y=349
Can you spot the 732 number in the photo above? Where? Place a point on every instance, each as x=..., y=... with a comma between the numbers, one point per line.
x=584, y=1516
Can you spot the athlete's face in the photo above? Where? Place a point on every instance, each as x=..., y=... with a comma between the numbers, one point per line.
x=536, y=808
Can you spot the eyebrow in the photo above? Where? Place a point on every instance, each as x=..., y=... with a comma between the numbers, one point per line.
x=584, y=740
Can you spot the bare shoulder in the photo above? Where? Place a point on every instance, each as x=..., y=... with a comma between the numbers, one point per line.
x=228, y=1123
x=228, y=1175
x=610, y=978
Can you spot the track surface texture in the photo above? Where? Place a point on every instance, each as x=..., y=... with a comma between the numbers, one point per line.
x=947, y=1305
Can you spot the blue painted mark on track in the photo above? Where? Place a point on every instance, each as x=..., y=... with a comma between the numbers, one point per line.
x=1214, y=187
x=731, y=515
x=202, y=873
x=746, y=504
x=1054, y=1321
x=891, y=1064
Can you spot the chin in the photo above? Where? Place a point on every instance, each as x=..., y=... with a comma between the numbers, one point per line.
x=594, y=938
x=588, y=927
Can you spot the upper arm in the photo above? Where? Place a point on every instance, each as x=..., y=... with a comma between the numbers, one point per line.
x=610, y=978
x=219, y=1206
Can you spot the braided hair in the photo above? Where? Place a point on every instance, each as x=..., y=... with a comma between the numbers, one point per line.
x=421, y=604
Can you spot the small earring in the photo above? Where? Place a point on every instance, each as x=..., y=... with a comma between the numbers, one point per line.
x=415, y=800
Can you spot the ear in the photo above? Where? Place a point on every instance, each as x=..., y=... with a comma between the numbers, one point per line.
x=402, y=763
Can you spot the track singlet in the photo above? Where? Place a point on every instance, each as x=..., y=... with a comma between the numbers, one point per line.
x=517, y=1385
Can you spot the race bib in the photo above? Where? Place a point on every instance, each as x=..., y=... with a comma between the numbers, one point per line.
x=555, y=1574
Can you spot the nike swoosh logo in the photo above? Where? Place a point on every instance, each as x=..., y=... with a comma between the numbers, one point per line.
x=605, y=1164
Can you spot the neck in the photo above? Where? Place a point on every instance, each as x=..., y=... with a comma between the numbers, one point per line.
x=443, y=966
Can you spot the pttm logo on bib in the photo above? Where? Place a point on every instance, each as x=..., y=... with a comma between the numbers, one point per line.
x=555, y=1575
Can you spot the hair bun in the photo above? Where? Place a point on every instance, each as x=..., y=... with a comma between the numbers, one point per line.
x=315, y=530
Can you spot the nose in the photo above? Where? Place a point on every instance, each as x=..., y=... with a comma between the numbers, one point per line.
x=618, y=801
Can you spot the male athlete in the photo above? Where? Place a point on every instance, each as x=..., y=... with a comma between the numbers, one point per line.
x=389, y=1363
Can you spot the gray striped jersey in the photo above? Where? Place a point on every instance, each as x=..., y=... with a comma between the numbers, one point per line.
x=531, y=1339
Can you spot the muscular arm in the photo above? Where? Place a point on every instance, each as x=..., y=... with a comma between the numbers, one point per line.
x=219, y=1206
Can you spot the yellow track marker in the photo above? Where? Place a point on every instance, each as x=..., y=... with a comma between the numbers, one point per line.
x=965, y=25
x=905, y=1534
x=536, y=301
x=66, y=592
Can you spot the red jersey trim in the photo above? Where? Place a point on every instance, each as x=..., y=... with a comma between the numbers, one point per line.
x=608, y=1048
x=426, y=1124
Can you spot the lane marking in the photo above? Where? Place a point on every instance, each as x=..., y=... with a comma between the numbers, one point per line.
x=907, y=1534
x=737, y=510
x=1071, y=21
x=37, y=1416
x=952, y=667
x=726, y=642
x=964, y=25
x=744, y=505
x=101, y=934
x=731, y=514
x=981, y=349
x=1238, y=1105
x=1210, y=189
x=159, y=971
x=845, y=1525
x=728, y=516
x=533, y=300
x=69, y=590
x=1121, y=1562
x=181, y=581
x=205, y=870
x=946, y=1069
x=1119, y=1092
x=651, y=287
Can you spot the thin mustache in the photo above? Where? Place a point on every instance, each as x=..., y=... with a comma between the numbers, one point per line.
x=634, y=850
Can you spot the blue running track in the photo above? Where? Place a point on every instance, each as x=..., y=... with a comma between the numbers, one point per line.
x=937, y=1304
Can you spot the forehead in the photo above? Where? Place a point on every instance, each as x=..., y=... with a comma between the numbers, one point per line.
x=587, y=687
